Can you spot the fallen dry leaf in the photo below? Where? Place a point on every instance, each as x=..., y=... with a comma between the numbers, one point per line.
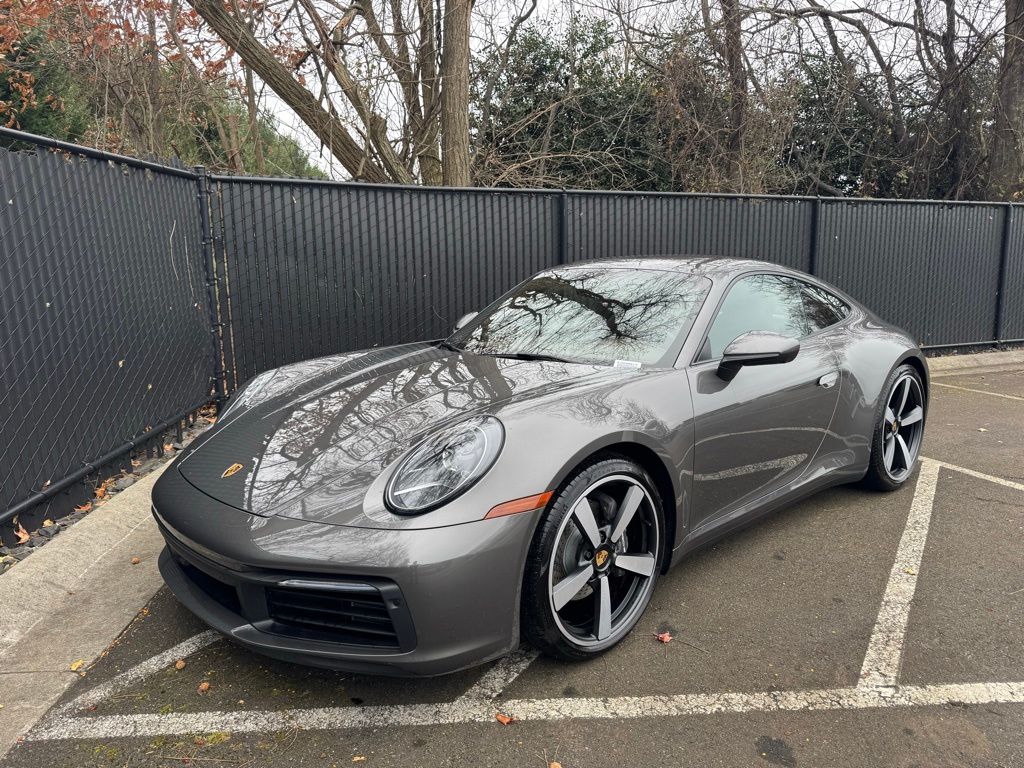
x=84, y=507
x=203, y=687
x=554, y=764
x=101, y=492
x=358, y=758
x=47, y=521
x=77, y=665
x=504, y=719
x=663, y=637
x=179, y=664
x=22, y=534
x=136, y=561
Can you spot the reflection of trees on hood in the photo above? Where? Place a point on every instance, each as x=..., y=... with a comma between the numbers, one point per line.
x=356, y=426
x=635, y=313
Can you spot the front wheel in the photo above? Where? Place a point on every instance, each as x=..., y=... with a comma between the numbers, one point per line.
x=594, y=561
x=899, y=431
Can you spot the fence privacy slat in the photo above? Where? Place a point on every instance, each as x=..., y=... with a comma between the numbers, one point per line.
x=106, y=289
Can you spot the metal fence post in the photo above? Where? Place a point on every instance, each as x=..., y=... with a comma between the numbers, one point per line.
x=563, y=227
x=812, y=260
x=1004, y=260
x=204, y=197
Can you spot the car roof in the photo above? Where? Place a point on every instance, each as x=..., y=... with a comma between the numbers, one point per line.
x=707, y=266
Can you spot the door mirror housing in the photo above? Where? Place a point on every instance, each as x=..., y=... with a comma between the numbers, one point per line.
x=462, y=321
x=756, y=348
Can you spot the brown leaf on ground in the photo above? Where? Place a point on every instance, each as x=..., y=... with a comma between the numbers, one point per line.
x=358, y=758
x=504, y=719
x=84, y=507
x=136, y=560
x=554, y=764
x=101, y=492
x=179, y=664
x=203, y=687
x=22, y=534
x=77, y=665
x=47, y=521
x=663, y=637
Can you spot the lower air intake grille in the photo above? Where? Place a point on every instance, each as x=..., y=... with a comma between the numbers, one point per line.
x=356, y=617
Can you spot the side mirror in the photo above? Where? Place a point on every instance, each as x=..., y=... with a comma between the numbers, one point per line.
x=461, y=322
x=756, y=348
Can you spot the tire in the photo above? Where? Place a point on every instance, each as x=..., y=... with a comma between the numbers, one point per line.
x=611, y=582
x=896, y=443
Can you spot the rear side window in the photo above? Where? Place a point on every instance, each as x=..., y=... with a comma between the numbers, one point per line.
x=758, y=303
x=822, y=308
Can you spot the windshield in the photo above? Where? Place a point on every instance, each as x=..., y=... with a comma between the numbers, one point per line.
x=589, y=314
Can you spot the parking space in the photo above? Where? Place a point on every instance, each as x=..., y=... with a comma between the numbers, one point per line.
x=852, y=629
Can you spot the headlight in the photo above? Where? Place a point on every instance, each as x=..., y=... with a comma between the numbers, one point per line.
x=444, y=465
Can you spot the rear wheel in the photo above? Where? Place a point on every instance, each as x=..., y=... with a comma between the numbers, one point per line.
x=899, y=431
x=594, y=561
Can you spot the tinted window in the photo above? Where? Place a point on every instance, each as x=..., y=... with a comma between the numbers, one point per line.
x=822, y=308
x=589, y=314
x=758, y=303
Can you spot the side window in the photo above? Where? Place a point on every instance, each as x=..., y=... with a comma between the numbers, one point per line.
x=823, y=309
x=757, y=303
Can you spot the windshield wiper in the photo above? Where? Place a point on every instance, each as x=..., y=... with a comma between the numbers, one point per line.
x=445, y=344
x=527, y=356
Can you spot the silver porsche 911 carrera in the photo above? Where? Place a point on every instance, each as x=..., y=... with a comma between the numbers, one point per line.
x=422, y=508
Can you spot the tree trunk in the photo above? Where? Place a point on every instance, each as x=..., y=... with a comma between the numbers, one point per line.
x=455, y=93
x=430, y=154
x=156, y=117
x=732, y=46
x=254, y=122
x=1006, y=162
x=324, y=126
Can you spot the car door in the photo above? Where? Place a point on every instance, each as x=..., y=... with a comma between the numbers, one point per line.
x=758, y=432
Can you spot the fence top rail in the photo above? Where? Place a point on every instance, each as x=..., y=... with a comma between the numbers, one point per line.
x=554, y=191
x=96, y=154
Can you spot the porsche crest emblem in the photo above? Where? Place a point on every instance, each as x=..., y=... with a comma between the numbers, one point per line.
x=601, y=557
x=231, y=470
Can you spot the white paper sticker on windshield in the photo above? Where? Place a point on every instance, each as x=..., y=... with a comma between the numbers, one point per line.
x=625, y=364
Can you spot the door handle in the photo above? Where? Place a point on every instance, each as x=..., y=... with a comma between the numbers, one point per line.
x=829, y=380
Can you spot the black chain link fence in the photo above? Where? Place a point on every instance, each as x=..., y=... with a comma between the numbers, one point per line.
x=131, y=293
x=104, y=318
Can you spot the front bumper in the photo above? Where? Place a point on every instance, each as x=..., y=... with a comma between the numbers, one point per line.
x=439, y=600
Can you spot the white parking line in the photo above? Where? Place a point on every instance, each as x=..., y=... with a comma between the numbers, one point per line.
x=620, y=707
x=499, y=677
x=978, y=391
x=149, y=667
x=885, y=648
x=878, y=688
x=982, y=476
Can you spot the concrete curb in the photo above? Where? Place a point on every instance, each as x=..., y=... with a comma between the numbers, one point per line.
x=70, y=601
x=981, y=362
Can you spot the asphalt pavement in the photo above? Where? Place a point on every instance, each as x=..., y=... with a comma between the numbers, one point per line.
x=853, y=629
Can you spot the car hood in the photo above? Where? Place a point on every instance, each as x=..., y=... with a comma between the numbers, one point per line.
x=312, y=437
